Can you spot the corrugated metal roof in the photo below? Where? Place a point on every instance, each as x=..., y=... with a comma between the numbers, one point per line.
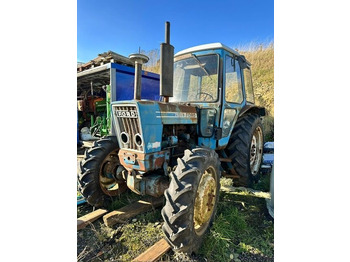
x=104, y=58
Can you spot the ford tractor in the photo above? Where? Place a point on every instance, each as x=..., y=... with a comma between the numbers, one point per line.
x=206, y=125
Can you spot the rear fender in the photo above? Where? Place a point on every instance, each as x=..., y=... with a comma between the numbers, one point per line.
x=252, y=109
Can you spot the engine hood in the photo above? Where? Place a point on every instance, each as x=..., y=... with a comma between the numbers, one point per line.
x=148, y=119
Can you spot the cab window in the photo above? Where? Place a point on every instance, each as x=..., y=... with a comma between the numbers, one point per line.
x=233, y=84
x=248, y=85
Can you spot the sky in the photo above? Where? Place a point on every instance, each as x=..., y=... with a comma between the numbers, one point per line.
x=125, y=25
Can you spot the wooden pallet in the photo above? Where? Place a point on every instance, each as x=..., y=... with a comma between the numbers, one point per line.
x=154, y=252
x=124, y=213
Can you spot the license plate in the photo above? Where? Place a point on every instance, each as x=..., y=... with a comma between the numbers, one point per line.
x=126, y=113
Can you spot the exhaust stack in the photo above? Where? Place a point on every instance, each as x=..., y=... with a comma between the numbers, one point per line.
x=166, y=66
x=139, y=60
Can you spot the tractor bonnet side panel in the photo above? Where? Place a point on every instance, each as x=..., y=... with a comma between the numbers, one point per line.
x=171, y=114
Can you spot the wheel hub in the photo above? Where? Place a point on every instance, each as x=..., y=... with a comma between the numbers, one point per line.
x=205, y=200
x=256, y=147
x=108, y=183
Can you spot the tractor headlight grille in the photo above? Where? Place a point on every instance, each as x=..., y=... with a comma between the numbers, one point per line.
x=128, y=126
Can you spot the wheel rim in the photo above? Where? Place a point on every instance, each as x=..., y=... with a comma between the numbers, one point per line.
x=205, y=201
x=109, y=185
x=256, y=149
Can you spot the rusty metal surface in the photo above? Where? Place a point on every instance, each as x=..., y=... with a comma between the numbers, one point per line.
x=205, y=200
x=109, y=185
x=177, y=114
x=153, y=185
x=133, y=183
x=142, y=162
x=156, y=185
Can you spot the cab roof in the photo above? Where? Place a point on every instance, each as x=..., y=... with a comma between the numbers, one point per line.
x=207, y=47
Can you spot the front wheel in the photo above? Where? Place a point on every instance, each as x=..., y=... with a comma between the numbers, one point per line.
x=97, y=176
x=191, y=199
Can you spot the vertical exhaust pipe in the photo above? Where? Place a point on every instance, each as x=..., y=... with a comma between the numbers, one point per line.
x=139, y=60
x=166, y=66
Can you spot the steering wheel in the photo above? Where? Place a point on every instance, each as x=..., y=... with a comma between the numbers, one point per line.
x=206, y=95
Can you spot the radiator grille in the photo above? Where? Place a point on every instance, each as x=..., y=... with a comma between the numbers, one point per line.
x=128, y=122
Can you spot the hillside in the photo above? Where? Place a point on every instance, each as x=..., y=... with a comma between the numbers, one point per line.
x=262, y=60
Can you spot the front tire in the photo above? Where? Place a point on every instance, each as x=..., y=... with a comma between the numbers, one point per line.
x=191, y=199
x=97, y=181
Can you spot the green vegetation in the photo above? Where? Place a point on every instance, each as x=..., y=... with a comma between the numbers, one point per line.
x=242, y=226
x=241, y=231
x=262, y=59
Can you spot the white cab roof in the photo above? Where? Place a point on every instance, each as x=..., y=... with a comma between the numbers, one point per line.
x=207, y=47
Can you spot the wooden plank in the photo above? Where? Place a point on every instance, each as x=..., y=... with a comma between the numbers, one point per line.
x=124, y=213
x=91, y=217
x=154, y=252
x=231, y=176
x=227, y=160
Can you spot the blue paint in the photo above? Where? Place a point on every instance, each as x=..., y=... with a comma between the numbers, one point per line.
x=151, y=126
x=220, y=106
x=80, y=200
x=153, y=115
x=125, y=83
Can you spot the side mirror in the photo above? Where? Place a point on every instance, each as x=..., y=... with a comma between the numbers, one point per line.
x=242, y=62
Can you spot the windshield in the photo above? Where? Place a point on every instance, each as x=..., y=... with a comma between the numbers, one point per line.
x=196, y=79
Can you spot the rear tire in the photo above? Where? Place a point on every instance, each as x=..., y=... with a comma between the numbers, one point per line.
x=191, y=199
x=245, y=149
x=96, y=175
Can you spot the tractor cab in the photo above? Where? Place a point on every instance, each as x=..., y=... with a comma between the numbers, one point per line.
x=216, y=79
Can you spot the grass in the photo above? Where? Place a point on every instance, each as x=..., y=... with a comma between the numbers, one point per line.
x=242, y=226
x=242, y=230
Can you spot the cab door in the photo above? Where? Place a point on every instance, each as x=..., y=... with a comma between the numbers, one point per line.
x=232, y=98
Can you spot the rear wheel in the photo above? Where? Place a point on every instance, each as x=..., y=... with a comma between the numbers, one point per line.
x=245, y=148
x=191, y=199
x=98, y=181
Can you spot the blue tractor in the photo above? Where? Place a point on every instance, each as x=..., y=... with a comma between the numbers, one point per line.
x=206, y=125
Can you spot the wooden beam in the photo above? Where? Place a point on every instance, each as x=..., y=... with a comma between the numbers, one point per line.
x=89, y=218
x=227, y=160
x=124, y=213
x=154, y=252
x=231, y=176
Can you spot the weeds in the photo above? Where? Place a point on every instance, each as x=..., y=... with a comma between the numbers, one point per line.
x=240, y=227
x=241, y=231
x=124, y=200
